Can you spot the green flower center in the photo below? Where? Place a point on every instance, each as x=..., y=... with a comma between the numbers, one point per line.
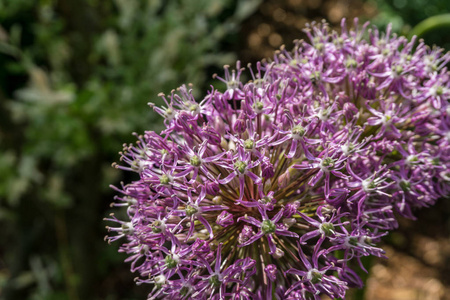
x=214, y=281
x=136, y=165
x=298, y=130
x=164, y=179
x=240, y=166
x=258, y=106
x=249, y=144
x=405, y=185
x=315, y=76
x=169, y=112
x=193, y=107
x=398, y=70
x=156, y=226
x=171, y=262
x=327, y=162
x=435, y=161
x=351, y=63
x=327, y=228
x=191, y=210
x=353, y=241
x=316, y=276
x=319, y=46
x=184, y=291
x=266, y=199
x=268, y=227
x=195, y=161
x=127, y=228
x=413, y=158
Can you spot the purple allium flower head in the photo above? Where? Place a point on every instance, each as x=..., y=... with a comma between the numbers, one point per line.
x=252, y=191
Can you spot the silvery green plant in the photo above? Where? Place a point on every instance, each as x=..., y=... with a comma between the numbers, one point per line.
x=269, y=189
x=75, y=75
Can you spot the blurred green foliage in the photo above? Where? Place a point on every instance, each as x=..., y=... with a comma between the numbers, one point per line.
x=75, y=79
x=406, y=14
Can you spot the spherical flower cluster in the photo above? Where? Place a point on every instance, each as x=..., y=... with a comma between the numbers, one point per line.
x=272, y=188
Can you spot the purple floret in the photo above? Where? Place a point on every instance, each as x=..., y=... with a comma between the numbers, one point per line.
x=272, y=188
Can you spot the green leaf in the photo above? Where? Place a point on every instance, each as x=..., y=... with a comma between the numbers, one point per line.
x=431, y=24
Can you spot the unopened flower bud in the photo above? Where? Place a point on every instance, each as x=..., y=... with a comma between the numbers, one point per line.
x=350, y=110
x=288, y=222
x=217, y=200
x=267, y=168
x=224, y=143
x=245, y=234
x=225, y=219
x=284, y=179
x=271, y=271
x=212, y=188
x=219, y=126
x=200, y=247
x=211, y=134
x=127, y=228
x=278, y=253
x=291, y=209
x=239, y=125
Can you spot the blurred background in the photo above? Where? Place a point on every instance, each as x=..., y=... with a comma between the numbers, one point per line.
x=75, y=79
